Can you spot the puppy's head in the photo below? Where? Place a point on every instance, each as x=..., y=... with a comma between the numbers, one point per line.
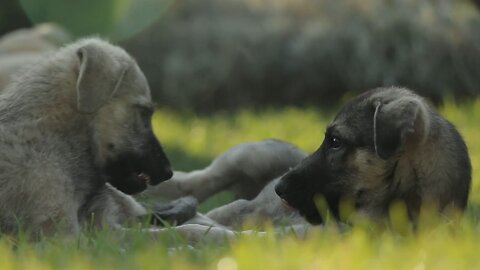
x=358, y=157
x=112, y=89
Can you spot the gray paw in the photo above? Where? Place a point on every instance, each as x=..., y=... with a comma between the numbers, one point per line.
x=174, y=213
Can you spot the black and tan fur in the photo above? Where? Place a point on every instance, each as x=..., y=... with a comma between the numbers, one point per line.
x=384, y=146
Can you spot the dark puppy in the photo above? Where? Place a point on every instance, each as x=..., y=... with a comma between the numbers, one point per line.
x=385, y=145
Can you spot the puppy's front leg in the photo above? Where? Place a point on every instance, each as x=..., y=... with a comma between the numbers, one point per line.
x=175, y=212
x=200, y=184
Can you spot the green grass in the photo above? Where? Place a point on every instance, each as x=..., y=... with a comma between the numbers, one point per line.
x=192, y=142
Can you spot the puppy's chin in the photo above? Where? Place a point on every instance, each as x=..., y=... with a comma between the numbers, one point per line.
x=306, y=208
x=132, y=173
x=312, y=215
x=314, y=218
x=129, y=184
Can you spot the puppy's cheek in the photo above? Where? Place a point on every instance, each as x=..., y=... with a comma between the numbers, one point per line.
x=104, y=156
x=100, y=150
x=109, y=151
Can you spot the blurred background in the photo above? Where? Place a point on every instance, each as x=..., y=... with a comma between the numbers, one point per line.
x=206, y=56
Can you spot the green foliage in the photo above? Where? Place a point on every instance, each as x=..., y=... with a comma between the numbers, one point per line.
x=229, y=55
x=117, y=19
x=207, y=137
x=191, y=142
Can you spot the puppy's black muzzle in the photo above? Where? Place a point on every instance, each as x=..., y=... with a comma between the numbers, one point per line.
x=295, y=190
x=300, y=187
x=155, y=162
x=132, y=172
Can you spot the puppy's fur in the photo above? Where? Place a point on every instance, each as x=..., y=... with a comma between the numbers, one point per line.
x=385, y=145
x=76, y=140
x=244, y=169
x=250, y=171
x=69, y=125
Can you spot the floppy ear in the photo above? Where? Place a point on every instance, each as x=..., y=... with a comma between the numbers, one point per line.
x=98, y=79
x=397, y=121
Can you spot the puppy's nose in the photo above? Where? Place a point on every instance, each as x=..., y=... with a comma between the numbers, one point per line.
x=167, y=174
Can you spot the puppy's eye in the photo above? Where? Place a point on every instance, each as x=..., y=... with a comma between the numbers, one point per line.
x=335, y=143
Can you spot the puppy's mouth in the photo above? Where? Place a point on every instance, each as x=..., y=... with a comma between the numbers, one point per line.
x=287, y=205
x=143, y=178
x=311, y=214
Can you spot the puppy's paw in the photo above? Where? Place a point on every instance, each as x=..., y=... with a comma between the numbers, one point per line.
x=174, y=213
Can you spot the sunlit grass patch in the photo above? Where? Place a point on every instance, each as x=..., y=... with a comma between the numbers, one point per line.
x=446, y=243
x=210, y=136
x=361, y=249
x=192, y=142
x=442, y=244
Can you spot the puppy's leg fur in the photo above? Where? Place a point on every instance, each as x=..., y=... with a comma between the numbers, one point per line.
x=110, y=208
x=244, y=169
x=200, y=184
x=267, y=206
x=176, y=212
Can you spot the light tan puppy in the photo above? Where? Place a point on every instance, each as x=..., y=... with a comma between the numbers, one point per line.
x=76, y=140
x=69, y=125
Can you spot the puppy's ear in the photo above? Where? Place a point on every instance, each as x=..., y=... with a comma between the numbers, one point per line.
x=98, y=79
x=406, y=118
